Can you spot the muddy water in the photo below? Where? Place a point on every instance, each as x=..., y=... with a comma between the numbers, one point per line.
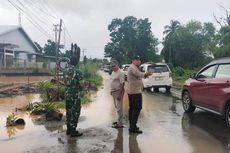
x=166, y=129
x=22, y=79
x=94, y=121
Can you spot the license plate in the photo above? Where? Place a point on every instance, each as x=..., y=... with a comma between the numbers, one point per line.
x=158, y=78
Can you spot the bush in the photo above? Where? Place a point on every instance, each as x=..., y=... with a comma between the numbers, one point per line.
x=43, y=107
x=90, y=74
x=46, y=86
x=178, y=71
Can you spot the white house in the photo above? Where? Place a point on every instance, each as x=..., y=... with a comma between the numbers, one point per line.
x=16, y=46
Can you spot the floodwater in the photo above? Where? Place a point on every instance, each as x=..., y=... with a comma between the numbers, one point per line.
x=22, y=79
x=166, y=128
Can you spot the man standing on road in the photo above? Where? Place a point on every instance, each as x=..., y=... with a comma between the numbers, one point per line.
x=117, y=91
x=135, y=86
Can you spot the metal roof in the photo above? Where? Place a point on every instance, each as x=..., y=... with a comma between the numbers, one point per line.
x=8, y=28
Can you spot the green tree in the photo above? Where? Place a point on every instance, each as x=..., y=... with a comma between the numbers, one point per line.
x=167, y=51
x=224, y=42
x=39, y=47
x=129, y=37
x=191, y=45
x=49, y=48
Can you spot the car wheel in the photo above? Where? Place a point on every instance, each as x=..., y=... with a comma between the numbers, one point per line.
x=156, y=89
x=187, y=103
x=227, y=117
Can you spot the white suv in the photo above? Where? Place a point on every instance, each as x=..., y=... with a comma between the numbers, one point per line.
x=124, y=69
x=161, y=76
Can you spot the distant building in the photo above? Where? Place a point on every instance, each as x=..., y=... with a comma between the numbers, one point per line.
x=16, y=46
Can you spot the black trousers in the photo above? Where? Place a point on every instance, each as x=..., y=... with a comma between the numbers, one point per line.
x=135, y=106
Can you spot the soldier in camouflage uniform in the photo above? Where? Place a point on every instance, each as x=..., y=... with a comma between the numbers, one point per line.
x=73, y=87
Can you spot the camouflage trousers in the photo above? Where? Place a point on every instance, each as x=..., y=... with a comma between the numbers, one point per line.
x=73, y=110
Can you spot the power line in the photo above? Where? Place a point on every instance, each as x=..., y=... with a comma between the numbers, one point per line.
x=67, y=31
x=49, y=8
x=54, y=12
x=42, y=9
x=35, y=15
x=37, y=12
x=30, y=20
x=36, y=7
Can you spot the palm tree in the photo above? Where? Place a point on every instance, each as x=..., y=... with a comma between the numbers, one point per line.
x=168, y=32
x=170, y=29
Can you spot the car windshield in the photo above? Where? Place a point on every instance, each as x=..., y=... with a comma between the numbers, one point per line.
x=158, y=68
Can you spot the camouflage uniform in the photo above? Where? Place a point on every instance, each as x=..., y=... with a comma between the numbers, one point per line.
x=73, y=101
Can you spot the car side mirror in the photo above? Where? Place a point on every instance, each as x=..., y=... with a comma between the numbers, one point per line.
x=193, y=75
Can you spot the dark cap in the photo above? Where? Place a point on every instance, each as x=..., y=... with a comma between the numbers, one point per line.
x=136, y=57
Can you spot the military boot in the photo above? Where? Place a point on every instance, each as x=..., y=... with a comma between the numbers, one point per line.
x=68, y=131
x=75, y=133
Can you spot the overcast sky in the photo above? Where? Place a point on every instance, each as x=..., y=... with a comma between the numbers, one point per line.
x=86, y=21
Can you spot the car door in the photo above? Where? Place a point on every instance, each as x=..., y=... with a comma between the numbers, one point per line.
x=219, y=87
x=200, y=88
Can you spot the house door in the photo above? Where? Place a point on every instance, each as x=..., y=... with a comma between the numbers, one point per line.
x=9, y=61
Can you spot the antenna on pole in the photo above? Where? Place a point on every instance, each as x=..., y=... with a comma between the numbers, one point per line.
x=19, y=19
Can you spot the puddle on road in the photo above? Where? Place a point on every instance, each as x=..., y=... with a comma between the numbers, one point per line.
x=24, y=136
x=166, y=128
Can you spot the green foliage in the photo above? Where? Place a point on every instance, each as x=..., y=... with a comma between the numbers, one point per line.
x=180, y=74
x=190, y=45
x=131, y=36
x=38, y=47
x=85, y=97
x=90, y=73
x=179, y=71
x=223, y=48
x=45, y=86
x=43, y=107
x=10, y=120
x=50, y=48
x=91, y=76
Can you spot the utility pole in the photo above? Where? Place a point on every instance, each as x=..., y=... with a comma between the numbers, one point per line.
x=19, y=19
x=55, y=39
x=83, y=53
x=57, y=44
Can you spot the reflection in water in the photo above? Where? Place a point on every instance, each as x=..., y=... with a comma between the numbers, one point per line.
x=133, y=145
x=173, y=107
x=52, y=128
x=71, y=145
x=11, y=103
x=206, y=132
x=12, y=130
x=118, y=146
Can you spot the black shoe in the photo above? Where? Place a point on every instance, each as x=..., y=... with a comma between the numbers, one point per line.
x=75, y=134
x=138, y=131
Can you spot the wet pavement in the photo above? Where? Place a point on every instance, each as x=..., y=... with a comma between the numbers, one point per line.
x=166, y=128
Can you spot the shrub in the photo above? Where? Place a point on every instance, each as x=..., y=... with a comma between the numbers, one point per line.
x=178, y=71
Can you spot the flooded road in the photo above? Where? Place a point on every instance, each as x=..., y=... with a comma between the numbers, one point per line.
x=166, y=129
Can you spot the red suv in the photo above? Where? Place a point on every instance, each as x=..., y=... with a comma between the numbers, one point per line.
x=209, y=89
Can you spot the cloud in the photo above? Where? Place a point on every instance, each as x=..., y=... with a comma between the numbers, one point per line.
x=87, y=20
